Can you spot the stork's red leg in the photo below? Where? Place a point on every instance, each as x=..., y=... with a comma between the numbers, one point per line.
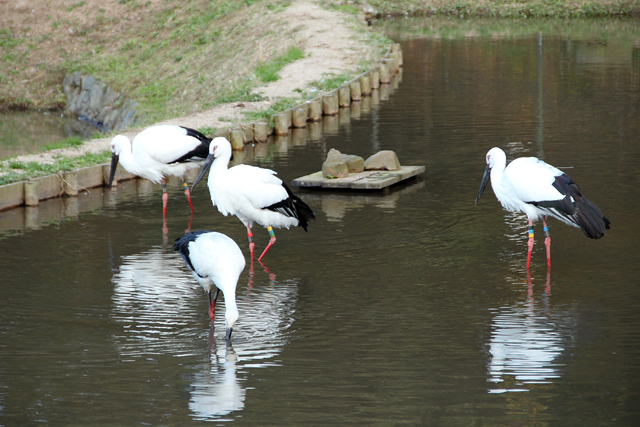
x=212, y=305
x=165, y=199
x=530, y=243
x=252, y=244
x=272, y=240
x=547, y=240
x=188, y=194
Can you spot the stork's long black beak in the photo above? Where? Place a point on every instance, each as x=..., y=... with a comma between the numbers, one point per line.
x=114, y=166
x=228, y=334
x=485, y=180
x=205, y=168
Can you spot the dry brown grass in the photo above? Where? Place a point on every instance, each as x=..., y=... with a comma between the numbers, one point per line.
x=176, y=56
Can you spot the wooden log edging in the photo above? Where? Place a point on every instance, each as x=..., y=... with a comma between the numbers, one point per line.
x=70, y=183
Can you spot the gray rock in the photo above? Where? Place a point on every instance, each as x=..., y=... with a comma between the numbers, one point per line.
x=96, y=99
x=335, y=169
x=383, y=160
x=354, y=163
x=335, y=165
x=91, y=98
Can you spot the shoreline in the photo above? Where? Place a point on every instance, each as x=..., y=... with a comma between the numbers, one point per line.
x=291, y=127
x=332, y=44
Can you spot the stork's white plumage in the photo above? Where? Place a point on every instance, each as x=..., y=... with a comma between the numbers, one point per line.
x=215, y=260
x=252, y=194
x=159, y=151
x=538, y=189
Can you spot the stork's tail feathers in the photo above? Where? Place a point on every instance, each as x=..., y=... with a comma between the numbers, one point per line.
x=305, y=214
x=590, y=219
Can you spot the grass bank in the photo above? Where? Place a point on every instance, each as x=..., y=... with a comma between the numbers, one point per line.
x=173, y=57
x=507, y=8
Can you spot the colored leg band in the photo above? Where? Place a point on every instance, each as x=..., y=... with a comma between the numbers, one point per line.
x=531, y=232
x=184, y=184
x=270, y=230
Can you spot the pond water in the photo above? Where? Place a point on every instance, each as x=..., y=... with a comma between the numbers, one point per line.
x=408, y=307
x=28, y=132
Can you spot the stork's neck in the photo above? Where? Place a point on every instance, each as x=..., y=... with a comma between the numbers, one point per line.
x=219, y=166
x=497, y=170
x=127, y=160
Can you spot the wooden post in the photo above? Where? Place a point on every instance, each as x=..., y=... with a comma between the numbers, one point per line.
x=260, y=131
x=365, y=85
x=375, y=78
x=385, y=78
x=289, y=115
x=299, y=117
x=375, y=97
x=282, y=124
x=391, y=64
x=356, y=109
x=330, y=104
x=344, y=97
x=315, y=111
x=247, y=131
x=71, y=183
x=356, y=90
x=31, y=193
x=236, y=137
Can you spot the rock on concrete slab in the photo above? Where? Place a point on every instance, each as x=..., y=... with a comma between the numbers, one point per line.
x=383, y=160
x=354, y=163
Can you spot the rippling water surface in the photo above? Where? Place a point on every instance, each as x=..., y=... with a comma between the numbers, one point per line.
x=406, y=307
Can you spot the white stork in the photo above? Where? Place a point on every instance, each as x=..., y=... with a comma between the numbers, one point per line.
x=252, y=194
x=215, y=260
x=159, y=151
x=538, y=189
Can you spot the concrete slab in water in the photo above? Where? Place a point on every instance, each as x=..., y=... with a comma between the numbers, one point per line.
x=367, y=180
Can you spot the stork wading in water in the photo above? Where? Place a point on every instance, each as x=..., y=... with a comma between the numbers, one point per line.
x=159, y=151
x=252, y=194
x=538, y=189
x=216, y=261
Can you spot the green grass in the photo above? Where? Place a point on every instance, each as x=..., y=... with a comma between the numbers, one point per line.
x=72, y=141
x=268, y=71
x=15, y=171
x=207, y=131
x=509, y=8
x=278, y=107
x=236, y=93
x=331, y=82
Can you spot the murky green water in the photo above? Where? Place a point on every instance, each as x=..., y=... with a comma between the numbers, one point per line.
x=412, y=307
x=29, y=132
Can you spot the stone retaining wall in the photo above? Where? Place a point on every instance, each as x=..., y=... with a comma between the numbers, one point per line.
x=93, y=100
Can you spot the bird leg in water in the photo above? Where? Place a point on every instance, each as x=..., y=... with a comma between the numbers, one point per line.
x=547, y=240
x=530, y=244
x=272, y=240
x=252, y=244
x=188, y=194
x=188, y=230
x=165, y=198
x=212, y=305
